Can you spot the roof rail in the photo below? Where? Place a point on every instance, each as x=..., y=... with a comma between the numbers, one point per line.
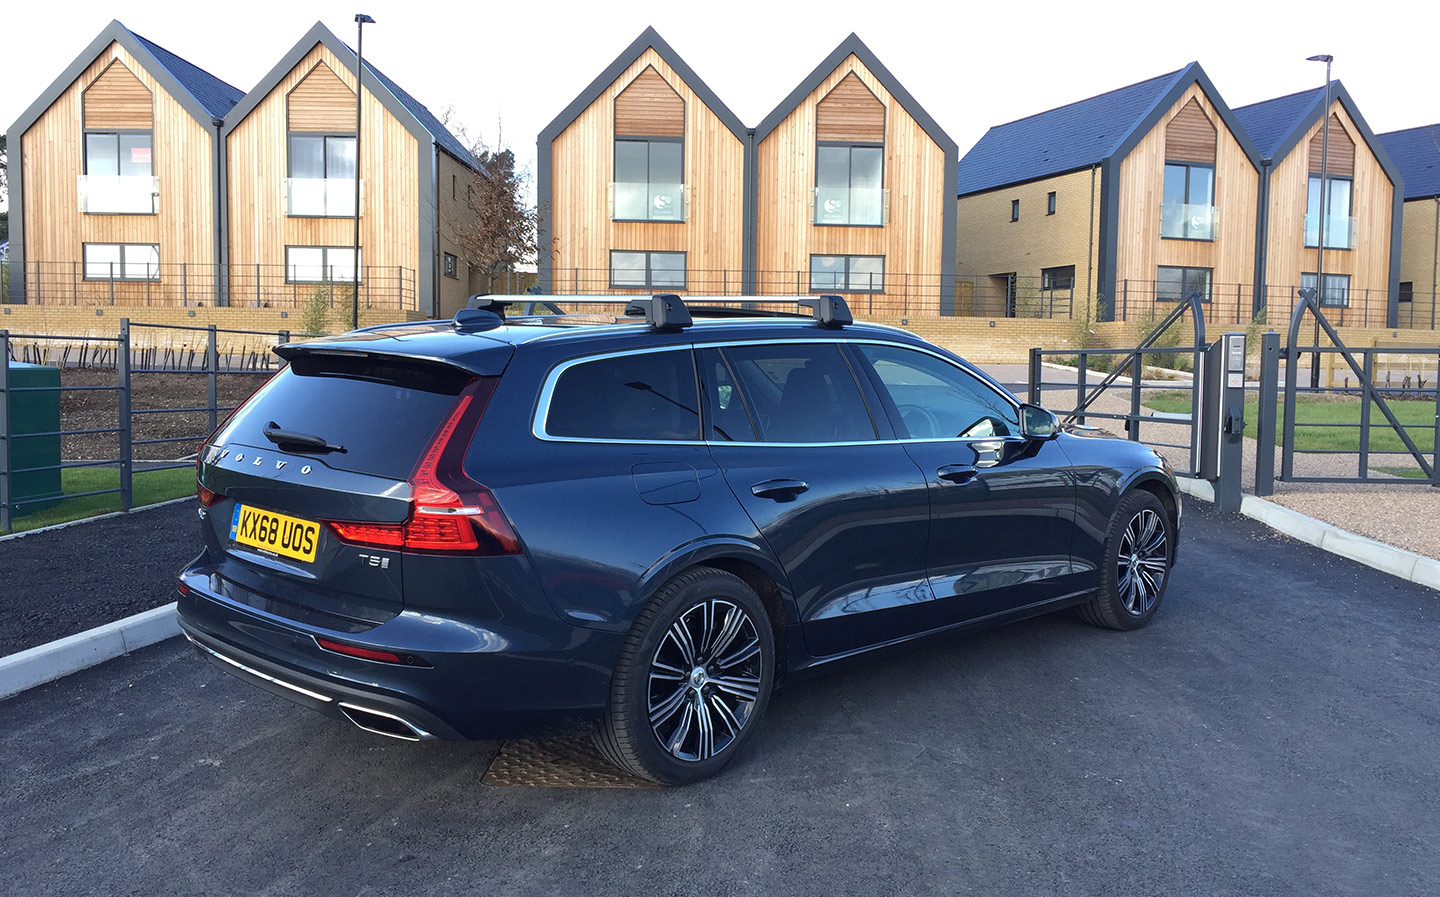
x=667, y=311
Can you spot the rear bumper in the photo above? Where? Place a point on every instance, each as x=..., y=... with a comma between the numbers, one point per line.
x=468, y=682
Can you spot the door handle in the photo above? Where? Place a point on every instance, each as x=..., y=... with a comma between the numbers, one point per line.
x=780, y=490
x=957, y=473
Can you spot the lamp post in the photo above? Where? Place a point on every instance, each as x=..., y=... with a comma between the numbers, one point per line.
x=1319, y=293
x=360, y=21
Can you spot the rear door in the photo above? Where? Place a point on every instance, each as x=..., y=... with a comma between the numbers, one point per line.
x=800, y=445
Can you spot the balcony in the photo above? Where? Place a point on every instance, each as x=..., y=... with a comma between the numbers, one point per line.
x=321, y=197
x=1187, y=221
x=649, y=202
x=118, y=194
x=1340, y=234
x=855, y=206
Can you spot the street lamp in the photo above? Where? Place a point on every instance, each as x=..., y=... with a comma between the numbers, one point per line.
x=1324, y=195
x=360, y=21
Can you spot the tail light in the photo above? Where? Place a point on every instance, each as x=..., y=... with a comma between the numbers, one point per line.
x=448, y=510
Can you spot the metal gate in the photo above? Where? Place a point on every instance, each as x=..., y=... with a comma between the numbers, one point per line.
x=1400, y=448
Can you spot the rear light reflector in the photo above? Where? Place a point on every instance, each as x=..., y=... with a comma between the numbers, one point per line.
x=184, y=589
x=357, y=651
x=378, y=535
x=207, y=498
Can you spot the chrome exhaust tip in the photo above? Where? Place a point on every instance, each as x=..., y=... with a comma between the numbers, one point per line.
x=378, y=722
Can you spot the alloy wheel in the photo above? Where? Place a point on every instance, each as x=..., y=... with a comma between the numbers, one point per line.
x=1143, y=562
x=704, y=680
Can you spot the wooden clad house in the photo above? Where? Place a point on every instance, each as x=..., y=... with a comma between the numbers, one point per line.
x=852, y=182
x=1416, y=154
x=1130, y=200
x=113, y=179
x=1361, y=234
x=640, y=182
x=289, y=199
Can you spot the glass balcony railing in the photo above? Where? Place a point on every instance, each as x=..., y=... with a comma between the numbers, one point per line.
x=1339, y=234
x=649, y=202
x=851, y=205
x=118, y=194
x=1187, y=221
x=321, y=197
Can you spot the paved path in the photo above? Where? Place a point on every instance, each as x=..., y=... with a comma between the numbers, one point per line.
x=1272, y=733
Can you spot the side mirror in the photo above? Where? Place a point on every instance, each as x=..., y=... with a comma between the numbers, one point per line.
x=1037, y=423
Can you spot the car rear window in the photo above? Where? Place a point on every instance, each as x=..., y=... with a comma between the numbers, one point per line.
x=383, y=411
x=649, y=396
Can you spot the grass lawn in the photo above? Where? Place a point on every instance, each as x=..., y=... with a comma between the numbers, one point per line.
x=148, y=487
x=1316, y=410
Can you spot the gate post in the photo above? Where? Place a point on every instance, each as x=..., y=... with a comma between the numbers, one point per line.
x=5, y=431
x=1265, y=417
x=127, y=450
x=1222, y=434
x=1036, y=373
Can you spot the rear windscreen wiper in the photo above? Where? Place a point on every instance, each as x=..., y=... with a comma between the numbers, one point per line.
x=301, y=442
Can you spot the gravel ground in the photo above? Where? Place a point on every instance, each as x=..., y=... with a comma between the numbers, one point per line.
x=68, y=580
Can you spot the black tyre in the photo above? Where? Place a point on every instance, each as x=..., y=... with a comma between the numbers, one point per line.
x=692, y=682
x=1139, y=550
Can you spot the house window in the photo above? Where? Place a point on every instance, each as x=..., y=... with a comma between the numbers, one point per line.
x=647, y=270
x=1187, y=211
x=322, y=176
x=850, y=184
x=321, y=264
x=1176, y=284
x=649, y=179
x=1014, y=210
x=1340, y=227
x=452, y=266
x=122, y=261
x=847, y=273
x=119, y=174
x=1050, y=204
x=1407, y=291
x=1334, y=294
x=454, y=187
x=1057, y=278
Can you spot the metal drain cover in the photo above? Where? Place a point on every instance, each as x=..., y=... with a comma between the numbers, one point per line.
x=570, y=761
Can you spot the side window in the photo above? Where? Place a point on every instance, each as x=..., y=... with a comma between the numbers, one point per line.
x=800, y=393
x=936, y=399
x=729, y=416
x=650, y=397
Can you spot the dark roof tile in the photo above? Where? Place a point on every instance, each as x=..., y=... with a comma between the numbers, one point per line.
x=1416, y=152
x=1271, y=122
x=215, y=95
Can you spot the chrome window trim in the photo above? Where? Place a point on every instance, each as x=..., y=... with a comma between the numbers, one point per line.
x=542, y=404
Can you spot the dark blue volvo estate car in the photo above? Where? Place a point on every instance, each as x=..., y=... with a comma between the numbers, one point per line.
x=488, y=528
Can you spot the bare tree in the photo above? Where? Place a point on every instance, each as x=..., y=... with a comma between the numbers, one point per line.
x=499, y=234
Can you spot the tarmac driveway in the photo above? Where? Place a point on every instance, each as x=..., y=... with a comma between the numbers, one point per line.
x=1274, y=732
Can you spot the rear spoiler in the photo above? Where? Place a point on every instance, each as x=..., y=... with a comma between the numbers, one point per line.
x=486, y=358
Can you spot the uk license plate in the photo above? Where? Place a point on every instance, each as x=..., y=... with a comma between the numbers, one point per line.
x=279, y=534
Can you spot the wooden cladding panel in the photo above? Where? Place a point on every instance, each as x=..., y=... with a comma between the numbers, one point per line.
x=851, y=112
x=1342, y=151
x=53, y=149
x=119, y=100
x=649, y=107
x=1140, y=249
x=322, y=102
x=1190, y=136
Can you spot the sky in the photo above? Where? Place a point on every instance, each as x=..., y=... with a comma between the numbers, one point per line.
x=504, y=71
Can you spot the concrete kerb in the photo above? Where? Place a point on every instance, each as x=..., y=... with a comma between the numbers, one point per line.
x=1407, y=565
x=45, y=663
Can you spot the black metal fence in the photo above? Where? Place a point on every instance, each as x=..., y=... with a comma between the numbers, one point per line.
x=1236, y=304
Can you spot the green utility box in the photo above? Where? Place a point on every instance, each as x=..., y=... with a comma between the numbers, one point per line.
x=34, y=412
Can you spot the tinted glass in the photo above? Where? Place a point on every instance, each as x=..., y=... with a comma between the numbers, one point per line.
x=631, y=161
x=651, y=397
x=801, y=393
x=307, y=157
x=135, y=159
x=832, y=166
x=340, y=157
x=102, y=154
x=866, y=166
x=729, y=419
x=665, y=162
x=383, y=412
x=937, y=400
x=1202, y=186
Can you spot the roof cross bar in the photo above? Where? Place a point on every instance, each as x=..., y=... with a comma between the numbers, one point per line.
x=667, y=311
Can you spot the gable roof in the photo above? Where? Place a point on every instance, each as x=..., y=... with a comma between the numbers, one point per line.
x=215, y=95
x=205, y=97
x=649, y=39
x=1279, y=125
x=413, y=114
x=853, y=45
x=1085, y=132
x=1416, y=152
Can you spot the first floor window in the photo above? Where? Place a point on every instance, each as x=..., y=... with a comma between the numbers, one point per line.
x=119, y=154
x=1407, y=291
x=320, y=264
x=322, y=176
x=1335, y=293
x=647, y=270
x=122, y=261
x=1057, y=278
x=1338, y=232
x=849, y=184
x=1176, y=284
x=1187, y=211
x=847, y=273
x=452, y=266
x=1050, y=204
x=649, y=179
x=1014, y=210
